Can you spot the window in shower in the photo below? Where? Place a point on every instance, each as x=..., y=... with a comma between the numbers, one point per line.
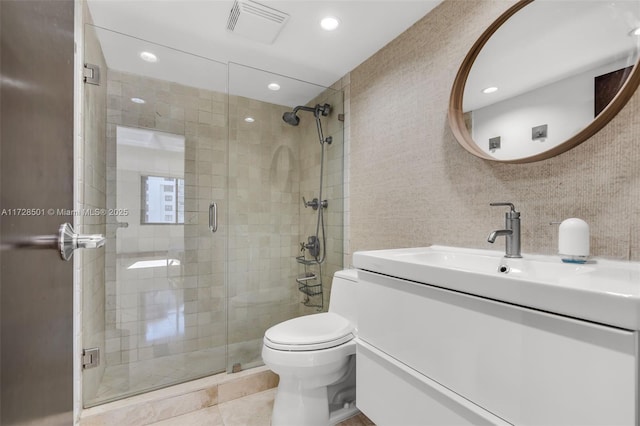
x=162, y=200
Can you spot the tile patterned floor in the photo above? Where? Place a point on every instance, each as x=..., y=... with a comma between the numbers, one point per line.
x=252, y=410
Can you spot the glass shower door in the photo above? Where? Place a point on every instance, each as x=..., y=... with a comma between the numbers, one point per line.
x=158, y=313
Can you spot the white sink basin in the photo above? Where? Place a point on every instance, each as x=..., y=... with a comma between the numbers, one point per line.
x=602, y=291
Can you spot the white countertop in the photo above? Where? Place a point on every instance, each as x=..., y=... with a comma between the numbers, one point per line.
x=602, y=291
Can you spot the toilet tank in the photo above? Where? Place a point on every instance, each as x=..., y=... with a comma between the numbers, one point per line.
x=343, y=299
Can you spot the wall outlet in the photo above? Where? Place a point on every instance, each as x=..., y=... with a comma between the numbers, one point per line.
x=539, y=132
x=494, y=143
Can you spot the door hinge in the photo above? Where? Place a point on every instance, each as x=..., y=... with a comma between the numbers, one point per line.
x=90, y=358
x=92, y=74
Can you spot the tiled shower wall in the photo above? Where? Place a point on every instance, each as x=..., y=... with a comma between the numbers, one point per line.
x=333, y=215
x=198, y=284
x=264, y=182
x=411, y=184
x=272, y=166
x=265, y=173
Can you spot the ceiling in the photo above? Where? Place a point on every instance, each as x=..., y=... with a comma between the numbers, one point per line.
x=303, y=59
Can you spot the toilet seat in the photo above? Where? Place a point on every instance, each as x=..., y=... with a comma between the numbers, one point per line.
x=310, y=333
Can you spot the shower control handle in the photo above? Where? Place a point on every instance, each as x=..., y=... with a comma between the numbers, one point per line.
x=313, y=245
x=314, y=204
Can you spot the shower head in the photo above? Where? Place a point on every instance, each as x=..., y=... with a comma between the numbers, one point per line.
x=290, y=117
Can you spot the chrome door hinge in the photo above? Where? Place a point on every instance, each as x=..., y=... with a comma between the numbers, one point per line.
x=92, y=74
x=90, y=358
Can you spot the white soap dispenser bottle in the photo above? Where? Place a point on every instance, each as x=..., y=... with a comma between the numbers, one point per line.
x=573, y=240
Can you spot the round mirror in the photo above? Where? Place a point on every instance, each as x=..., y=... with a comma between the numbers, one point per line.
x=547, y=75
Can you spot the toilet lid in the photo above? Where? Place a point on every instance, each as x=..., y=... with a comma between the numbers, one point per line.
x=311, y=332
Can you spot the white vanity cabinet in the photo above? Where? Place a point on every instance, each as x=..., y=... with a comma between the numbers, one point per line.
x=433, y=356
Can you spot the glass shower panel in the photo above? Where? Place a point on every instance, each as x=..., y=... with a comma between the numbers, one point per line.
x=272, y=165
x=157, y=131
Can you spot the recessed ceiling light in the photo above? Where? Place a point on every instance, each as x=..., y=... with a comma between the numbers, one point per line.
x=273, y=86
x=138, y=101
x=489, y=89
x=148, y=57
x=329, y=23
x=635, y=32
x=249, y=119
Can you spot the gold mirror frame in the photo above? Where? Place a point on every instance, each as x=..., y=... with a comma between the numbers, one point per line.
x=456, y=114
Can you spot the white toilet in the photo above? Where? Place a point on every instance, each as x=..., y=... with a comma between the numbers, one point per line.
x=315, y=357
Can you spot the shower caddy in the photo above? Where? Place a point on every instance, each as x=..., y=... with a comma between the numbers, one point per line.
x=310, y=281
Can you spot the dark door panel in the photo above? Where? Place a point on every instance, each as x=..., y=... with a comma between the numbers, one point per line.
x=36, y=158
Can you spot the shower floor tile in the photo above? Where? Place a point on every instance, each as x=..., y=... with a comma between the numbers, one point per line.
x=141, y=376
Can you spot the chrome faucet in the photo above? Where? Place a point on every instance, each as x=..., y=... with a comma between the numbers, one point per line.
x=511, y=231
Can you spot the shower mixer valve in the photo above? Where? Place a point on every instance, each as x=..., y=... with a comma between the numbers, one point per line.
x=313, y=245
x=314, y=203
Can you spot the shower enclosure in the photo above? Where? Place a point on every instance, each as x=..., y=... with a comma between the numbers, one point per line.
x=201, y=185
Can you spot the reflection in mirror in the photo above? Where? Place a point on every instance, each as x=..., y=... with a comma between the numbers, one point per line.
x=544, y=77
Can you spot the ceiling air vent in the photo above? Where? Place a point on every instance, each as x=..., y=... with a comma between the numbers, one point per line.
x=256, y=21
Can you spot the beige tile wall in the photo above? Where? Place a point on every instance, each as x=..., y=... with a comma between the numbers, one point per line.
x=333, y=215
x=272, y=164
x=268, y=163
x=264, y=186
x=411, y=184
x=198, y=284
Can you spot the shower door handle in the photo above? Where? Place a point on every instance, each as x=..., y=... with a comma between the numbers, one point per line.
x=66, y=241
x=213, y=217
